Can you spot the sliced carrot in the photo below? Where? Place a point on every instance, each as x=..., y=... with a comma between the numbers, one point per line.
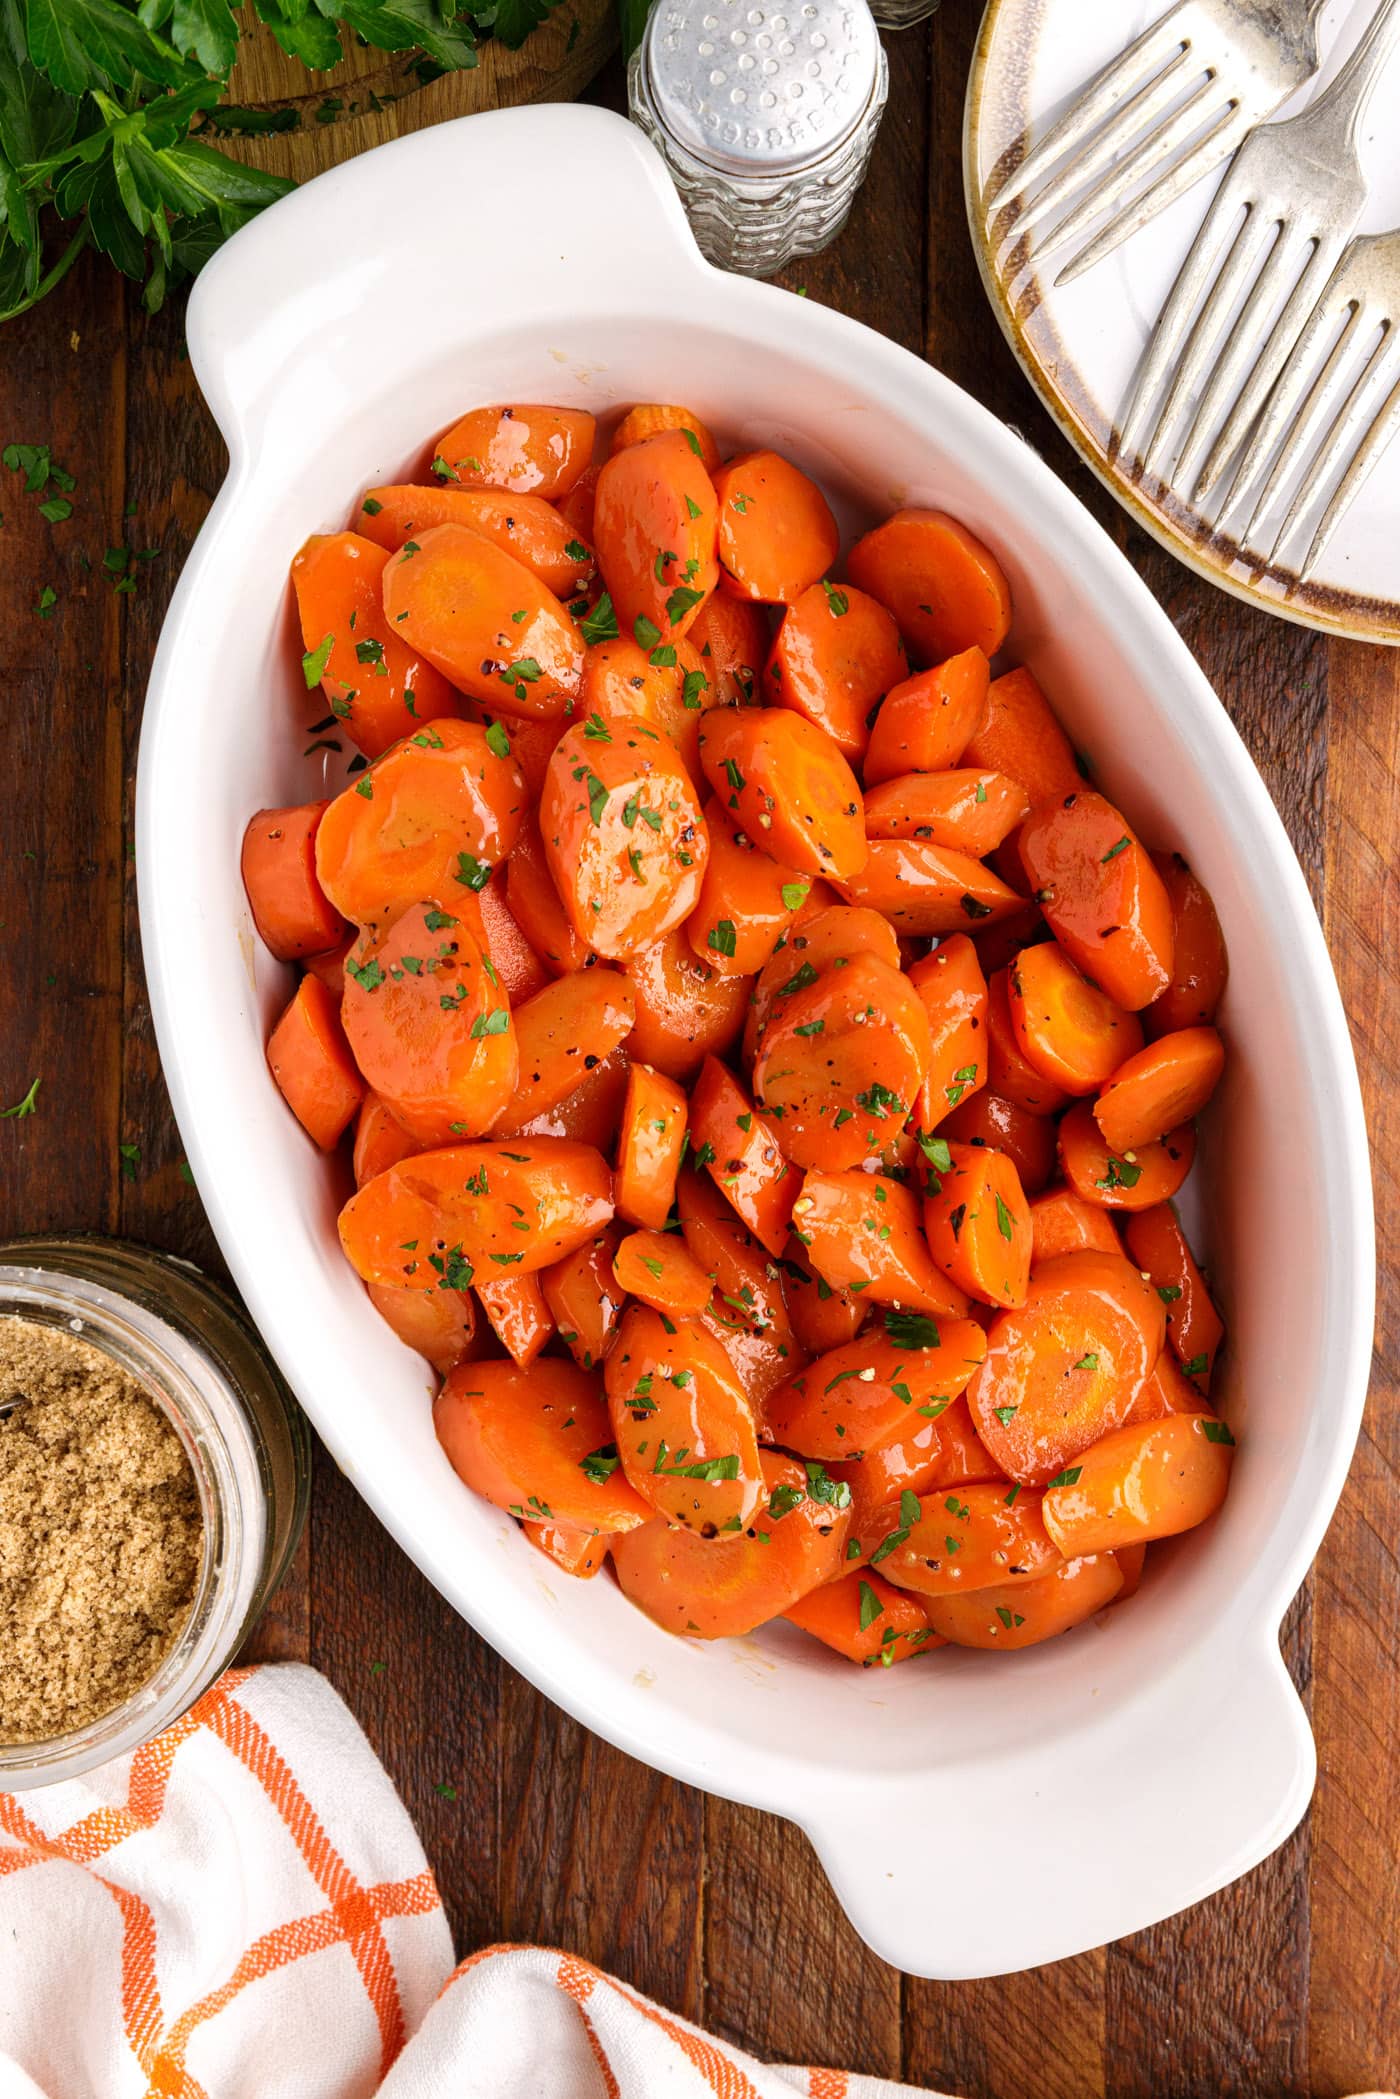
x=532, y=745
x=525, y=526
x=1199, y=963
x=649, y=418
x=925, y=722
x=379, y=683
x=1065, y=1027
x=562, y=1033
x=501, y=936
x=748, y=1313
x=1130, y=1560
x=582, y=1294
x=786, y=785
x=330, y=967
x=1195, y=1330
x=526, y=448
x=1010, y=1074
x=671, y=693
x=1064, y=1369
x=975, y=1537
x=1017, y=734
x=747, y=902
x=945, y=588
x=969, y=811
x=978, y=1225
x=1156, y=1088
x=1022, y=1614
x=713, y=1589
x=1102, y=897
x=311, y=1061
x=1151, y=1173
x=925, y=889
x=742, y=1152
x=953, y=991
x=291, y=911
x=834, y=934
x=1149, y=1481
x=654, y=527
x=576, y=505
x=432, y=817
x=485, y=621
x=866, y=1620
x=823, y=1317
x=777, y=535
x=380, y=1140
x=1168, y=1390
x=854, y=1398
x=575, y=1552
x=538, y=1443
x=592, y=1112
x=963, y=1456
x=623, y=834
x=1062, y=1224
x=863, y=1230
x=536, y=907
x=656, y=1269
x=731, y=637
x=683, y=1424
x=520, y=1318
x=999, y=944
x=685, y=1009
x=1029, y=1139
x=438, y=1324
x=837, y=652
x=650, y=1147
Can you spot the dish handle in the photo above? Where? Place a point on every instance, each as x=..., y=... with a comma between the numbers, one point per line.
x=1058, y=1850
x=541, y=212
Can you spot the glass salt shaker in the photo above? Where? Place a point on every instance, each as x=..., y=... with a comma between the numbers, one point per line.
x=764, y=112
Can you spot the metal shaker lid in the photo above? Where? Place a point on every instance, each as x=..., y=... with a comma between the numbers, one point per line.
x=761, y=87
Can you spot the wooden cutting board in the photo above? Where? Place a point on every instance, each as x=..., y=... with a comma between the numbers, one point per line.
x=372, y=95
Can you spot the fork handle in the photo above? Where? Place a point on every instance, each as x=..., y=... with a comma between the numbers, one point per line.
x=1350, y=92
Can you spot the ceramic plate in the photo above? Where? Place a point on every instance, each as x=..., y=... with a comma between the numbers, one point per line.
x=1081, y=343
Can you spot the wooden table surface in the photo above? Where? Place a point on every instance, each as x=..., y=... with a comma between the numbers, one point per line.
x=1289, y=1982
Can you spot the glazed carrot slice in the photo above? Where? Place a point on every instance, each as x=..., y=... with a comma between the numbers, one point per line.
x=1199, y=963
x=525, y=526
x=786, y=785
x=1151, y=1174
x=438, y=1324
x=529, y=449
x=683, y=1424
x=379, y=683
x=970, y=811
x=837, y=652
x=1156, y=1088
x=1062, y=1224
x=584, y=1299
x=953, y=992
x=1148, y=1481
x=330, y=967
x=715, y=1589
x=1022, y=1614
x=310, y=1059
x=1168, y=1390
x=655, y=1268
x=731, y=637
x=1130, y=1560
x=939, y=1452
x=485, y=620
x=431, y=1032
x=380, y=1140
x=833, y=935
x=536, y=907
x=823, y=1317
x=537, y=1443
x=501, y=937
x=999, y=944
x=963, y=1457
x=1102, y=897
x=623, y=835
x=747, y=902
x=854, y=1398
x=650, y=418
x=672, y=694
x=537, y=1200
x=1017, y=734
x=589, y=1114
x=532, y=746
x=574, y=1552
x=975, y=1537
x=1064, y=1369
x=742, y=1152
x=291, y=911
x=576, y=505
x=654, y=528
x=925, y=889
x=1065, y=1027
x=1195, y=1330
x=945, y=588
x=748, y=1313
x=562, y=1033
x=866, y=1620
x=432, y=817
x=861, y=1229
x=777, y=535
x=650, y=1147
x=685, y=1009
x=978, y=1225
x=925, y=722
x=520, y=1318
x=1010, y=1074
x=1028, y=1139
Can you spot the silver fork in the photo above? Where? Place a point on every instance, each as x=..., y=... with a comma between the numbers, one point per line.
x=1240, y=59
x=1280, y=220
x=1334, y=409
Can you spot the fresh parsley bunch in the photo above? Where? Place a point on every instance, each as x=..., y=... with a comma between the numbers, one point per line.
x=97, y=103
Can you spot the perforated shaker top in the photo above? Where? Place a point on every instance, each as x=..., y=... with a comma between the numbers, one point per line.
x=761, y=87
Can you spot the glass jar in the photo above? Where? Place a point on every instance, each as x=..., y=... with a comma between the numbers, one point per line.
x=764, y=112
x=902, y=14
x=189, y=1346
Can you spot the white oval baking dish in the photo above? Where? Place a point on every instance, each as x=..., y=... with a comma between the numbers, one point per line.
x=976, y=1814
